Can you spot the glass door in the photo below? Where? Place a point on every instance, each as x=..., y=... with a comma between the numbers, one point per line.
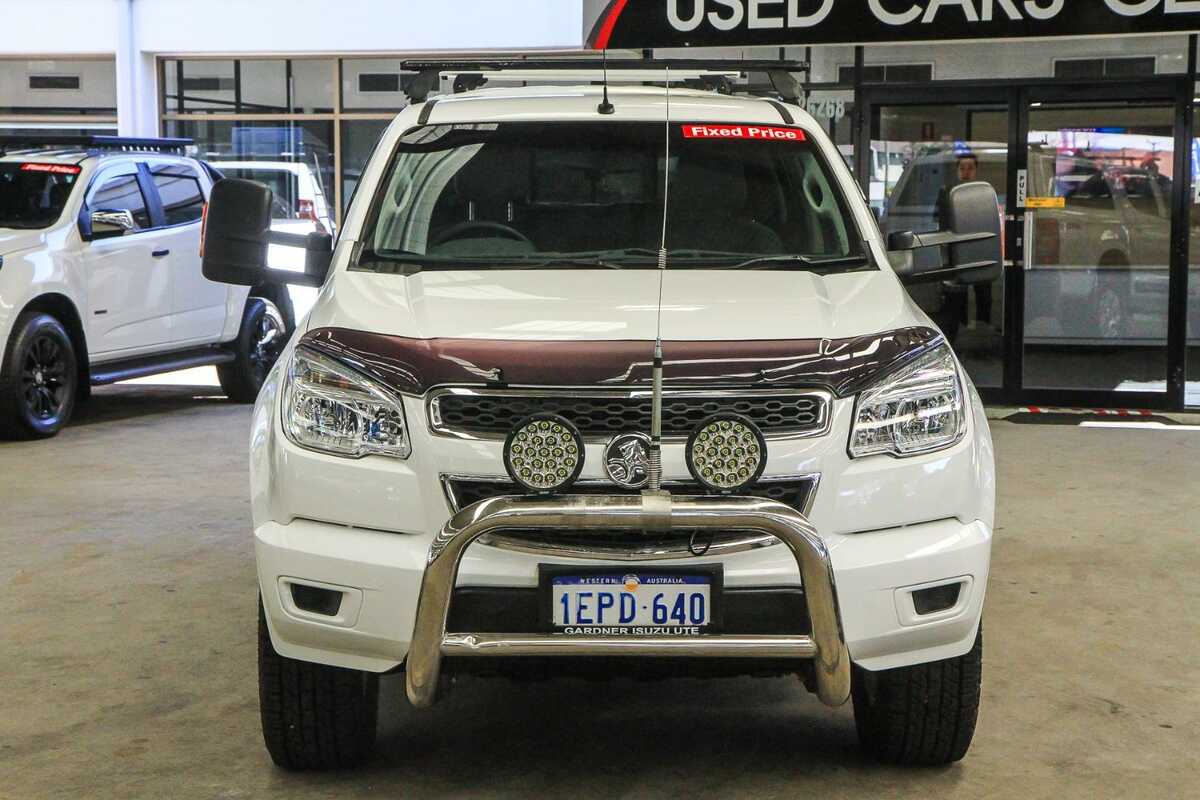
x=918, y=152
x=1097, y=234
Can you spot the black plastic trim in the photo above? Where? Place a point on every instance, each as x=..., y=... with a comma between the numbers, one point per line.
x=140, y=367
x=783, y=112
x=426, y=110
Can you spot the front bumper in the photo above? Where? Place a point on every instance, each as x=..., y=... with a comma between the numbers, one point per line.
x=397, y=587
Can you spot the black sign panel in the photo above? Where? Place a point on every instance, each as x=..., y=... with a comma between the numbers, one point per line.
x=715, y=23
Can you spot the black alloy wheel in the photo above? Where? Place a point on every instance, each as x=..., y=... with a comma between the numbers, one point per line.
x=262, y=338
x=270, y=337
x=38, y=378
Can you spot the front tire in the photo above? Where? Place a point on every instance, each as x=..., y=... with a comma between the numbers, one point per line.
x=263, y=335
x=39, y=378
x=314, y=717
x=923, y=715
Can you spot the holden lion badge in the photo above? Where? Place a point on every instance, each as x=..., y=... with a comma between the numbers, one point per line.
x=625, y=460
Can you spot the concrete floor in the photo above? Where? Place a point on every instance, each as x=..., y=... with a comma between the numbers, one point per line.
x=128, y=670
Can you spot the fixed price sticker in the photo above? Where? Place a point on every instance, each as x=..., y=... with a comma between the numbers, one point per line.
x=766, y=133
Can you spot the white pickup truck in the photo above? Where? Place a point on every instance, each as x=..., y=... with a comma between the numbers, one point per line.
x=617, y=381
x=100, y=278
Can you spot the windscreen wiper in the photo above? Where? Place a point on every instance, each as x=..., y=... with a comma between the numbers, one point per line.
x=556, y=262
x=803, y=262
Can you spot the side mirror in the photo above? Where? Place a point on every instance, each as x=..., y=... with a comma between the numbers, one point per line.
x=237, y=232
x=107, y=223
x=970, y=245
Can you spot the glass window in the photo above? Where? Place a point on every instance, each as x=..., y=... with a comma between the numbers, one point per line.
x=312, y=85
x=834, y=111
x=30, y=198
x=206, y=85
x=262, y=86
x=918, y=153
x=373, y=84
x=577, y=192
x=1192, y=392
x=1098, y=232
x=359, y=138
x=54, y=87
x=179, y=192
x=121, y=193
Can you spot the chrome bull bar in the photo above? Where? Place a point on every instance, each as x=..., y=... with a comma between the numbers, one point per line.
x=826, y=646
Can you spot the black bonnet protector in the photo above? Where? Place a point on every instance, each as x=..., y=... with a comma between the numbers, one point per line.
x=413, y=366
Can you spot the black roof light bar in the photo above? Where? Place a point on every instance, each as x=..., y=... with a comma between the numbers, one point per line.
x=712, y=74
x=97, y=143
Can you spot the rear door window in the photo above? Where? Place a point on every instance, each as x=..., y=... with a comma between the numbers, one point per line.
x=180, y=192
x=121, y=193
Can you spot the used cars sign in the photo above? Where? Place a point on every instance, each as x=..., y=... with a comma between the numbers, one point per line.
x=683, y=23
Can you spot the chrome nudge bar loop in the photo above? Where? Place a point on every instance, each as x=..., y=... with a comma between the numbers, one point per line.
x=581, y=513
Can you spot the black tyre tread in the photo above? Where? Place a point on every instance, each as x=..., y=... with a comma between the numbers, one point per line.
x=234, y=376
x=11, y=425
x=314, y=717
x=921, y=715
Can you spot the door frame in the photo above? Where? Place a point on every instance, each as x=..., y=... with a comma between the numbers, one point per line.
x=1018, y=96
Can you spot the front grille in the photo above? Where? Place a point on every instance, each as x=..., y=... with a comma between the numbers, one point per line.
x=603, y=415
x=794, y=492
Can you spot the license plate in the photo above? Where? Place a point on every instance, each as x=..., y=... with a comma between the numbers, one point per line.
x=631, y=602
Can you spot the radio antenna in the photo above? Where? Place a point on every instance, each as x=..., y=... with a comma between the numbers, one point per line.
x=654, y=468
x=606, y=108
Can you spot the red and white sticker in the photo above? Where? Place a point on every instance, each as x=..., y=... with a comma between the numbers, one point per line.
x=55, y=169
x=764, y=133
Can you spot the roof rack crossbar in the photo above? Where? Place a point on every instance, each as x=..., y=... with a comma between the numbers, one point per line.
x=92, y=142
x=468, y=72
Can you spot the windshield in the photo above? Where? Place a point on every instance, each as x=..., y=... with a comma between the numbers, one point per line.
x=33, y=195
x=512, y=195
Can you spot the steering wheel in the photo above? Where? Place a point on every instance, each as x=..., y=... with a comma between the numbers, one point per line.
x=457, y=231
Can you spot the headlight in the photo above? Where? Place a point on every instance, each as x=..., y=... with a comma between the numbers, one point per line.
x=332, y=409
x=917, y=409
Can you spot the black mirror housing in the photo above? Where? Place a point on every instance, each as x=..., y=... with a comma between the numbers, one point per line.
x=974, y=209
x=237, y=236
x=971, y=241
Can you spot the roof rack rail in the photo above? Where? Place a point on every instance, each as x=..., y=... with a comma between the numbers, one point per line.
x=713, y=74
x=92, y=143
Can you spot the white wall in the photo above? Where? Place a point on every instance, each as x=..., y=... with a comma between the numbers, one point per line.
x=50, y=27
x=347, y=26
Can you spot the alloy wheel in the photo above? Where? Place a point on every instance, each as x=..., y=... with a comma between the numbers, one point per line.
x=269, y=339
x=44, y=378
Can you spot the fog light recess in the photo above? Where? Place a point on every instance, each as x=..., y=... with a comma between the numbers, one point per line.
x=314, y=600
x=938, y=598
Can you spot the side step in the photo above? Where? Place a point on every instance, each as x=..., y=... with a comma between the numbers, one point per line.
x=140, y=367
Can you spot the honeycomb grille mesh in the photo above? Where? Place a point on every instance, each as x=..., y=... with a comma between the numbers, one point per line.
x=608, y=416
x=794, y=493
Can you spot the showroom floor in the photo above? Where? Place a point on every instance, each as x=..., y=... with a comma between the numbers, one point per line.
x=127, y=626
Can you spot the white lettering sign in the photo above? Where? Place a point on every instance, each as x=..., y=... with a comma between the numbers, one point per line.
x=758, y=15
x=1126, y=9
x=890, y=18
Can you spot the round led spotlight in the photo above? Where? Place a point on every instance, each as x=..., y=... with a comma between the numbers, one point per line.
x=726, y=453
x=544, y=453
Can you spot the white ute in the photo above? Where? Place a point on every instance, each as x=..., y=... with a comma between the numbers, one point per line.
x=100, y=278
x=470, y=458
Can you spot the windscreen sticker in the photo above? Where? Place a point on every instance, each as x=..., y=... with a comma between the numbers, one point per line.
x=56, y=169
x=768, y=133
